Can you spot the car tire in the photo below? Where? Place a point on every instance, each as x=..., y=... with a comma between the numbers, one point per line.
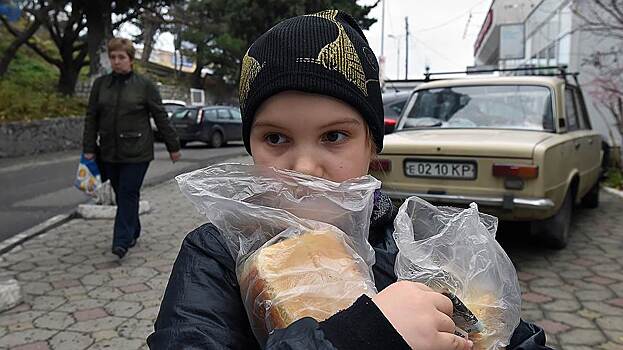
x=555, y=230
x=216, y=140
x=591, y=199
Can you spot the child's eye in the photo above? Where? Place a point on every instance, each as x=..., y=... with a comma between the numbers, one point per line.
x=275, y=139
x=334, y=137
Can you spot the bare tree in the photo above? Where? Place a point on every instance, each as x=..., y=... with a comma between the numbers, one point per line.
x=604, y=18
x=151, y=22
x=65, y=24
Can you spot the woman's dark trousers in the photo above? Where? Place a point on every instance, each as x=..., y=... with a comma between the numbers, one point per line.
x=126, y=180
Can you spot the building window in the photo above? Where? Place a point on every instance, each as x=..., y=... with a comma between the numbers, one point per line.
x=551, y=54
x=564, y=49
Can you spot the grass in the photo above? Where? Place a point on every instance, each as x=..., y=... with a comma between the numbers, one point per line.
x=614, y=178
x=28, y=89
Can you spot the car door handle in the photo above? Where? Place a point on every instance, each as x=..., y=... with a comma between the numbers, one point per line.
x=577, y=145
x=590, y=141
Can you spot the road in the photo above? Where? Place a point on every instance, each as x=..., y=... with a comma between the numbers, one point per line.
x=33, y=189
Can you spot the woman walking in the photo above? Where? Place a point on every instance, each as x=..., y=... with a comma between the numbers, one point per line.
x=117, y=122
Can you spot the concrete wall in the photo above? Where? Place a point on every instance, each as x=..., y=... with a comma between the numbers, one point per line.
x=40, y=136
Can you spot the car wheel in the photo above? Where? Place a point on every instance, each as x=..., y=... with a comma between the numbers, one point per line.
x=591, y=199
x=183, y=143
x=555, y=230
x=216, y=140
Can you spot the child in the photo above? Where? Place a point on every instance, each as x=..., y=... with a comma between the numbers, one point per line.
x=311, y=102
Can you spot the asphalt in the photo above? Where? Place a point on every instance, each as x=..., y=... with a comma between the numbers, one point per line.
x=36, y=188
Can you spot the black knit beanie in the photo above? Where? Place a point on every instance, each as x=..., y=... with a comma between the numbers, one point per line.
x=324, y=53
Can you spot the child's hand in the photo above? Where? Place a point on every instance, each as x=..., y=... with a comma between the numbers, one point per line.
x=421, y=316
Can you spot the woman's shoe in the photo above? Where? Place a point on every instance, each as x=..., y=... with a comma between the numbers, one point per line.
x=119, y=251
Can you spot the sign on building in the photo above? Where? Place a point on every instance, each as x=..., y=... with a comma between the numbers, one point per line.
x=512, y=41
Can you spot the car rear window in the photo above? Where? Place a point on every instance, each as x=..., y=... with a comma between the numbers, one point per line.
x=179, y=114
x=235, y=113
x=170, y=108
x=524, y=107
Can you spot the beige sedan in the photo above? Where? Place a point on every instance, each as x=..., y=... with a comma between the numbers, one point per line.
x=522, y=148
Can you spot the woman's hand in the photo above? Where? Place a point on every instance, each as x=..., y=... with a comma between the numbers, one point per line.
x=421, y=316
x=89, y=156
x=175, y=156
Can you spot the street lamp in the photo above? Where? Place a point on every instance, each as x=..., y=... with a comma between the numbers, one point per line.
x=397, y=38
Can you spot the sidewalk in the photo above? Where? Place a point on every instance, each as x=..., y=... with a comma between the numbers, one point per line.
x=79, y=296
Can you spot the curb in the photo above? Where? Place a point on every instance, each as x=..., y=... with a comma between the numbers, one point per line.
x=613, y=191
x=55, y=221
x=34, y=231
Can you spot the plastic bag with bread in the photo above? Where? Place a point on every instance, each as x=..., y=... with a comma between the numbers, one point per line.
x=300, y=242
x=454, y=250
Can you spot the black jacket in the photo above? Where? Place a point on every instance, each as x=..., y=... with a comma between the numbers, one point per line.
x=202, y=307
x=119, y=110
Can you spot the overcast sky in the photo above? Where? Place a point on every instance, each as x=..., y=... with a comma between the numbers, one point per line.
x=442, y=34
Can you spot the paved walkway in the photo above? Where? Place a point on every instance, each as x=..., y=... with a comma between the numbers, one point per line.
x=79, y=296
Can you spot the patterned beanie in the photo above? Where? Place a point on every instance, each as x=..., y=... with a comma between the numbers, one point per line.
x=324, y=53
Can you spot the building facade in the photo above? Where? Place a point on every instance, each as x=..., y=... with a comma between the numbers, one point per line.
x=544, y=33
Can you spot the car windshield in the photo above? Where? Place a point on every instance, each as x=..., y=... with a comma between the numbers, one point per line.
x=523, y=107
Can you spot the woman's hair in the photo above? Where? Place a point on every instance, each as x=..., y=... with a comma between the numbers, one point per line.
x=121, y=44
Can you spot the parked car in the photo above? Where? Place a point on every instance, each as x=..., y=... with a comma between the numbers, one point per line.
x=393, y=103
x=522, y=148
x=170, y=106
x=215, y=125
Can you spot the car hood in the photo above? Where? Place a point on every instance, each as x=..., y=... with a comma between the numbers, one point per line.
x=465, y=142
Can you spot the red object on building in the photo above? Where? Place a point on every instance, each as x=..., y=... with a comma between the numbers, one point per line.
x=486, y=26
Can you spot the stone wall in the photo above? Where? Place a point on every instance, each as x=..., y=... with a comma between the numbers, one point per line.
x=40, y=136
x=170, y=92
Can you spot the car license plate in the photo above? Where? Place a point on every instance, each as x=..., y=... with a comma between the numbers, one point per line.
x=465, y=170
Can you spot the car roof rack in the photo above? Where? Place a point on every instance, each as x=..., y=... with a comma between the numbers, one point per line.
x=562, y=71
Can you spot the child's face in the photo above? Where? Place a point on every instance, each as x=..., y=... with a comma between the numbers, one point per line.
x=311, y=134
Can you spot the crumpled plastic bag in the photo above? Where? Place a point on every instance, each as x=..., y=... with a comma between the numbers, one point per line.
x=105, y=195
x=300, y=242
x=454, y=250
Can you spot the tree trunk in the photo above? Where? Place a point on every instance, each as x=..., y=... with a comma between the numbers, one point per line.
x=196, y=80
x=68, y=78
x=99, y=24
x=149, y=31
x=11, y=51
x=8, y=56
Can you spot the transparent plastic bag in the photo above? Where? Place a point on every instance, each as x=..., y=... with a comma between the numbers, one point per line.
x=300, y=242
x=454, y=250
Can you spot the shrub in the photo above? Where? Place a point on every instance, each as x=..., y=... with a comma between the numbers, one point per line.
x=28, y=91
x=614, y=178
x=18, y=102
